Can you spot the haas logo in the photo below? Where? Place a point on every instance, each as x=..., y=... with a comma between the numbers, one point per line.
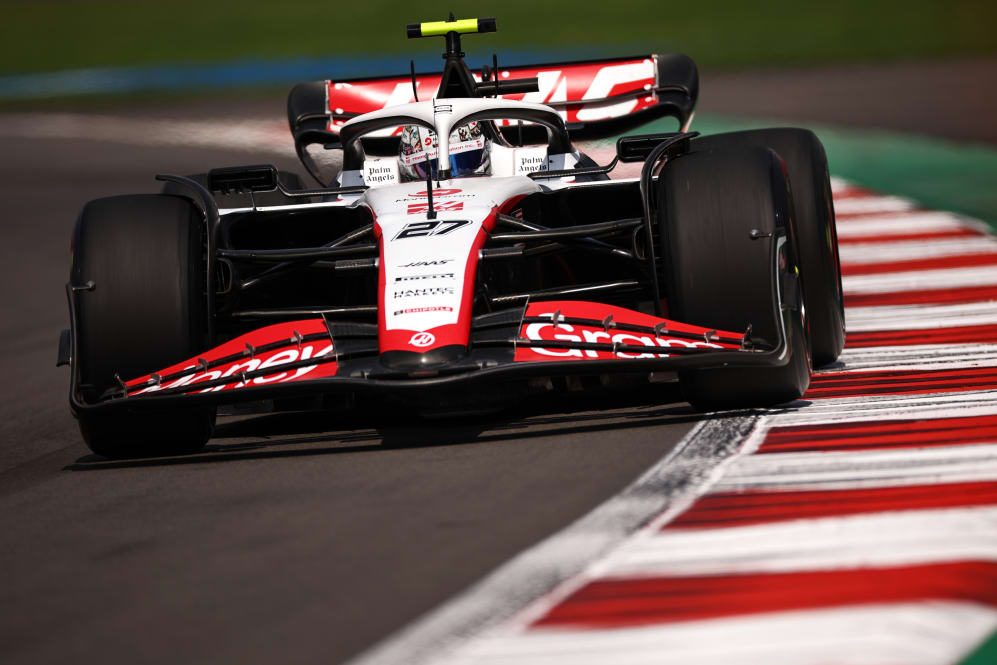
x=422, y=339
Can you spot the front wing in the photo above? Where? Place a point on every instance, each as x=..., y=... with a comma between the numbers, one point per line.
x=551, y=338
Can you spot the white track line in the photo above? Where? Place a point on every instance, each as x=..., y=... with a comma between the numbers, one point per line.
x=872, y=540
x=872, y=204
x=925, y=633
x=913, y=222
x=915, y=317
x=916, y=357
x=920, y=280
x=863, y=468
x=888, y=407
x=880, y=252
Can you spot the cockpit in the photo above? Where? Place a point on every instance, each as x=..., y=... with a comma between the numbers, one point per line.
x=464, y=130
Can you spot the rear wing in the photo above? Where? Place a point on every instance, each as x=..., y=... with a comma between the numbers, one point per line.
x=595, y=97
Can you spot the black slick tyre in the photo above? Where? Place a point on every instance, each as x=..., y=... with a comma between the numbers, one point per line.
x=146, y=311
x=806, y=166
x=719, y=276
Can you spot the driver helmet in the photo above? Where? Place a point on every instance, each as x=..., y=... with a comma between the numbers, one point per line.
x=418, y=152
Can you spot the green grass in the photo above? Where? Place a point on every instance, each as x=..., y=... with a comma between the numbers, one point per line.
x=984, y=654
x=60, y=34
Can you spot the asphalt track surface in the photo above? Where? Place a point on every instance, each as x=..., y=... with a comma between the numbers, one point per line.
x=290, y=539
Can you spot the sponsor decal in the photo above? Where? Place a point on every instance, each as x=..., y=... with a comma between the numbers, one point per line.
x=610, y=89
x=422, y=339
x=608, y=334
x=423, y=264
x=430, y=227
x=431, y=150
x=529, y=162
x=420, y=310
x=418, y=293
x=415, y=278
x=272, y=361
x=437, y=193
x=567, y=333
x=378, y=171
x=438, y=206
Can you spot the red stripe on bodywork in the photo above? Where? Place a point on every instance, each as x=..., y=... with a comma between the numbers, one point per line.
x=248, y=359
x=933, y=297
x=733, y=509
x=900, y=382
x=615, y=316
x=935, y=263
x=909, y=237
x=873, y=435
x=956, y=335
x=624, y=603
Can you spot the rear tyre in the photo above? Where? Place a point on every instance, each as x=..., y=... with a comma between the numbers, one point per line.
x=147, y=311
x=709, y=204
x=806, y=165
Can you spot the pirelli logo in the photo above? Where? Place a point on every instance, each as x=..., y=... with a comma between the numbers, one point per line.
x=416, y=278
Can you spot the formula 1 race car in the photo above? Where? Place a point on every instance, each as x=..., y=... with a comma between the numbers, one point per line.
x=460, y=247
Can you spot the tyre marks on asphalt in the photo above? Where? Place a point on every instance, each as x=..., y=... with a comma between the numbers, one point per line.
x=856, y=526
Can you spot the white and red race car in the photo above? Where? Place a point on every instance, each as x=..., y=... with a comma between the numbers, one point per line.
x=463, y=245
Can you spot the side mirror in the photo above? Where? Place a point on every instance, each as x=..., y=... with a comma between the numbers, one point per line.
x=242, y=179
x=637, y=147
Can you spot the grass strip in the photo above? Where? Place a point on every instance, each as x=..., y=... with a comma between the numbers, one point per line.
x=73, y=34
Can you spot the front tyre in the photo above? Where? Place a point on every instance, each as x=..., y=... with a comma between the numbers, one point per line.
x=817, y=238
x=720, y=213
x=146, y=311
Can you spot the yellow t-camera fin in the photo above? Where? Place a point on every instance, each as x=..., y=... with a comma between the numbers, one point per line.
x=440, y=28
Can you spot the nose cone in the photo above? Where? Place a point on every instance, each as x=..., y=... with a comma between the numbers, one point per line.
x=437, y=358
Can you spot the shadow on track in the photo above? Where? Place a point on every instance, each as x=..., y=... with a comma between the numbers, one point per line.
x=302, y=434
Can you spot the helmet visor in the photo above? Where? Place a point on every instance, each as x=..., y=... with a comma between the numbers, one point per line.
x=419, y=152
